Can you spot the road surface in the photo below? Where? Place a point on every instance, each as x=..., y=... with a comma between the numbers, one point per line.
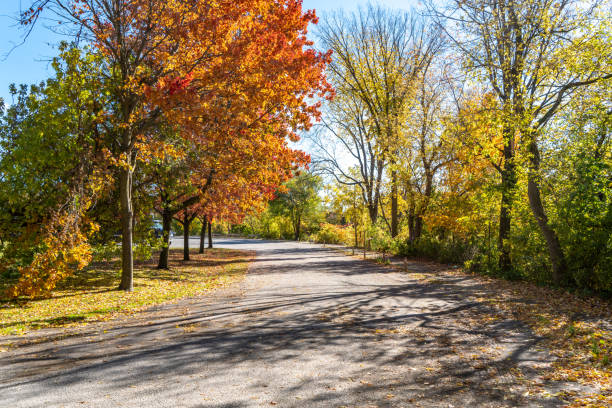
x=308, y=327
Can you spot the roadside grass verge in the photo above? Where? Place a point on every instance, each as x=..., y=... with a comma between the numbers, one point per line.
x=91, y=294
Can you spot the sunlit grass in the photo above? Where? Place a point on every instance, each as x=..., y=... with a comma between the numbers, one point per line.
x=91, y=295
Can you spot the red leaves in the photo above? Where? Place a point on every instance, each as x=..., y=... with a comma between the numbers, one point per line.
x=179, y=84
x=310, y=16
x=236, y=78
x=253, y=96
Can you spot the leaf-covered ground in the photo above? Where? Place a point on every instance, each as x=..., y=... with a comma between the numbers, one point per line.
x=91, y=295
x=576, y=329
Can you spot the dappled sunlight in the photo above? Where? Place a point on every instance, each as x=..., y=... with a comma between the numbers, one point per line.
x=92, y=294
x=321, y=330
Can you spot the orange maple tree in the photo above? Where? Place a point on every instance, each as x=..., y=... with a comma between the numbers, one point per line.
x=227, y=73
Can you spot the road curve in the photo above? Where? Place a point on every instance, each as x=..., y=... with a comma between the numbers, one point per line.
x=308, y=327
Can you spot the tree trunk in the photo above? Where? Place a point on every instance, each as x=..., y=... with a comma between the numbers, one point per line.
x=373, y=212
x=418, y=227
x=203, y=235
x=166, y=226
x=394, y=210
x=505, y=221
x=415, y=227
x=555, y=252
x=186, y=224
x=411, y=230
x=127, y=214
x=210, y=243
x=508, y=181
x=134, y=219
x=296, y=228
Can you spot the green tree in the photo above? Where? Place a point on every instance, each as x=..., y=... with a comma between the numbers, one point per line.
x=579, y=169
x=175, y=193
x=533, y=55
x=299, y=200
x=51, y=169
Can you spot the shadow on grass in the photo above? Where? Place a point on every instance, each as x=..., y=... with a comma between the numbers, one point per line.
x=100, y=278
x=349, y=322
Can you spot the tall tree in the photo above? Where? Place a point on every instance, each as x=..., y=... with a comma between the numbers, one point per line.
x=52, y=171
x=533, y=55
x=204, y=221
x=347, y=126
x=578, y=165
x=298, y=199
x=428, y=148
x=185, y=217
x=171, y=180
x=379, y=53
x=197, y=64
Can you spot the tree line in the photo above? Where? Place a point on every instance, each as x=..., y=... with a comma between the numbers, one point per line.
x=184, y=109
x=476, y=132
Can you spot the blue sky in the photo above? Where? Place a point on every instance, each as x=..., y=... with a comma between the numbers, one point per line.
x=29, y=62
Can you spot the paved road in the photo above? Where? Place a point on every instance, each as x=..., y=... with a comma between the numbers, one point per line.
x=194, y=242
x=309, y=327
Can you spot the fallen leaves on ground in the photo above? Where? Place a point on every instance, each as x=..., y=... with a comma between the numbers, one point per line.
x=91, y=295
x=576, y=329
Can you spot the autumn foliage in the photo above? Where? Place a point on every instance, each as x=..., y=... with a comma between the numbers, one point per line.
x=236, y=80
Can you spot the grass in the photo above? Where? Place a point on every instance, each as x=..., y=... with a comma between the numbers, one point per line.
x=91, y=295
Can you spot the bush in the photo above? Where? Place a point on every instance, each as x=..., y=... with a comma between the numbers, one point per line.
x=106, y=252
x=380, y=240
x=430, y=247
x=333, y=234
x=143, y=250
x=584, y=222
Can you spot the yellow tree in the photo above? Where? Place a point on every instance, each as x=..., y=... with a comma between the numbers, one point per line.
x=379, y=53
x=428, y=149
x=532, y=55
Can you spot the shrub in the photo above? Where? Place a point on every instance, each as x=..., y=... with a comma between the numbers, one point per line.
x=333, y=234
x=143, y=250
x=431, y=247
x=380, y=240
x=106, y=252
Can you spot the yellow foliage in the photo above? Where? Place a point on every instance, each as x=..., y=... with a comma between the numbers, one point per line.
x=64, y=243
x=65, y=251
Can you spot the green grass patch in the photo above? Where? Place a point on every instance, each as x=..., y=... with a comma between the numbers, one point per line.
x=91, y=295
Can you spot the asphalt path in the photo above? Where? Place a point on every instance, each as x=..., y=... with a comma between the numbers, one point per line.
x=194, y=242
x=308, y=327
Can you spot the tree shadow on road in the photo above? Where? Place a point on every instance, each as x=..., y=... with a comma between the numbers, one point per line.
x=394, y=344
